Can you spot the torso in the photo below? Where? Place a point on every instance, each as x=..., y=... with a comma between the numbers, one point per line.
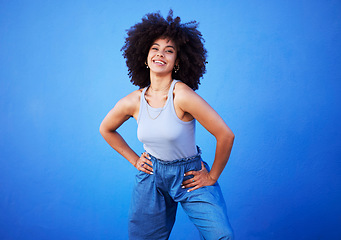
x=161, y=129
x=158, y=102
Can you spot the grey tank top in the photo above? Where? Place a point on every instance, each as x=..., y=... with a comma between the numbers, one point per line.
x=162, y=133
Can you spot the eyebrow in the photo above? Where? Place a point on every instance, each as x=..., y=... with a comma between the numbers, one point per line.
x=166, y=46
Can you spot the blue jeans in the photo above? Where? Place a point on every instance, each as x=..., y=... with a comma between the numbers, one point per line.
x=155, y=199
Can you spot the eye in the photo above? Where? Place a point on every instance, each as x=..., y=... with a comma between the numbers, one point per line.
x=154, y=48
x=170, y=51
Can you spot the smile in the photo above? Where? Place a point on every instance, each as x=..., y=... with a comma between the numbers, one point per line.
x=159, y=62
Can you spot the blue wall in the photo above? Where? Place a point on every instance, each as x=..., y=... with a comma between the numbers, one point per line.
x=274, y=75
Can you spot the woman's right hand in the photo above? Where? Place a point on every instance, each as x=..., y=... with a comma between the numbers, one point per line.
x=144, y=164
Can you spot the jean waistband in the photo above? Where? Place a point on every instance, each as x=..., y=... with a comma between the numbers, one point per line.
x=179, y=161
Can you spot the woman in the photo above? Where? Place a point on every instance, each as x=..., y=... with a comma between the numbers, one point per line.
x=171, y=170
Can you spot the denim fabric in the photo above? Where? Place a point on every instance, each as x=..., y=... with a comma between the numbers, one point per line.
x=155, y=199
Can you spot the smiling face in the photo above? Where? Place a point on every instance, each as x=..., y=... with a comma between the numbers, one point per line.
x=162, y=56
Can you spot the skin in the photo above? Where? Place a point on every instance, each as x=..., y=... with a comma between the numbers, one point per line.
x=162, y=58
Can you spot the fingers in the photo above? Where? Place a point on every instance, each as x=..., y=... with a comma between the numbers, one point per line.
x=199, y=179
x=189, y=184
x=196, y=187
x=194, y=173
x=191, y=173
x=192, y=183
x=144, y=164
x=146, y=168
x=147, y=158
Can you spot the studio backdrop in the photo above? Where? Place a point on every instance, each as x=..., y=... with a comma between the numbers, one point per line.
x=273, y=74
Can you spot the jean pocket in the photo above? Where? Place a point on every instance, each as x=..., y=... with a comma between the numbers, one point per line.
x=141, y=176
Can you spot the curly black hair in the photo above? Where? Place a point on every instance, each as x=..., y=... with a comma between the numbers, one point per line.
x=191, y=53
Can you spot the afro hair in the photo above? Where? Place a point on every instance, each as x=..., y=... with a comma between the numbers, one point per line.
x=191, y=53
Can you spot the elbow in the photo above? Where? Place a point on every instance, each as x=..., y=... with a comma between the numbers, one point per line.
x=226, y=136
x=102, y=129
x=230, y=136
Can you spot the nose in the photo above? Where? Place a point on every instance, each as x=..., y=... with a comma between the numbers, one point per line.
x=159, y=54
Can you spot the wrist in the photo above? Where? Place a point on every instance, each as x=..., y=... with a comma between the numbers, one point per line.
x=135, y=162
x=212, y=177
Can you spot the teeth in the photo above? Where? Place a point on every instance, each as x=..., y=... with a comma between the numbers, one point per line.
x=159, y=62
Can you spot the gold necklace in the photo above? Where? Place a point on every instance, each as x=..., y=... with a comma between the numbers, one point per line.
x=161, y=108
x=160, y=89
x=149, y=113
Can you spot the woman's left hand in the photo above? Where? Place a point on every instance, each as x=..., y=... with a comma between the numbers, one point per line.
x=200, y=179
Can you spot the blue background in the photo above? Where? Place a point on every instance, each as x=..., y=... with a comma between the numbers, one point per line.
x=273, y=74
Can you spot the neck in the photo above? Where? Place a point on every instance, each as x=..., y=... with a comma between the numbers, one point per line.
x=160, y=83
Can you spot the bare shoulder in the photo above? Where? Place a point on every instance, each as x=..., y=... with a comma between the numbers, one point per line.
x=133, y=97
x=187, y=103
x=130, y=103
x=183, y=93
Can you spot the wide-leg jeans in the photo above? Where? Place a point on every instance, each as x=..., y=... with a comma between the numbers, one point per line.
x=156, y=196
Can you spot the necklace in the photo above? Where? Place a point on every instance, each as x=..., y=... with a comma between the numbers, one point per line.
x=153, y=118
x=160, y=89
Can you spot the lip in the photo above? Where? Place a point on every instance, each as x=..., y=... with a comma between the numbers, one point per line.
x=159, y=62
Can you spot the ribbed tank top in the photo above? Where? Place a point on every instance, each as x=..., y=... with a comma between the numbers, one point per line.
x=162, y=133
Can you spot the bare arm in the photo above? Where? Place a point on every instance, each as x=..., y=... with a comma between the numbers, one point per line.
x=124, y=109
x=192, y=103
